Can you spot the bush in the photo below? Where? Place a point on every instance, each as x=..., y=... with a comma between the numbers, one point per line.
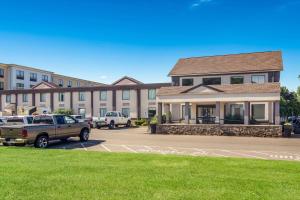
x=141, y=122
x=62, y=111
x=154, y=121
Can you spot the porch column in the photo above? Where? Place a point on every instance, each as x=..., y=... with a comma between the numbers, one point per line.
x=168, y=112
x=159, y=113
x=246, y=112
x=218, y=113
x=277, y=113
x=186, y=110
x=270, y=112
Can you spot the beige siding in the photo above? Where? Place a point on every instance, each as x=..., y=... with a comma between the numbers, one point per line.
x=41, y=106
x=66, y=104
x=20, y=100
x=131, y=104
x=82, y=104
x=146, y=103
x=102, y=104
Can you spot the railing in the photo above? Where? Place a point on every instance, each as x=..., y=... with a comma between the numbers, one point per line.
x=206, y=120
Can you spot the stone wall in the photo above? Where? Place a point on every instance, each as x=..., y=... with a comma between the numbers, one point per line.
x=225, y=130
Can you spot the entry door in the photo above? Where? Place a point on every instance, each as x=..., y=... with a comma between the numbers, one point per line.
x=206, y=113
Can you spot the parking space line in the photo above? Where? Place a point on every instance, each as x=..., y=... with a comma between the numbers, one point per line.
x=104, y=147
x=129, y=149
x=243, y=154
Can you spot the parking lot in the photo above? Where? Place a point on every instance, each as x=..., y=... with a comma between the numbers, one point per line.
x=137, y=140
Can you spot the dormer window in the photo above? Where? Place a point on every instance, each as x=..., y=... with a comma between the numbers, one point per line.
x=260, y=79
x=212, y=81
x=187, y=82
x=237, y=80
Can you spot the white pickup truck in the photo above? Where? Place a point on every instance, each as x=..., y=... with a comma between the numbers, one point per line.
x=113, y=119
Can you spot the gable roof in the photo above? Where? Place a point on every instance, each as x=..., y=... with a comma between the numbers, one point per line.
x=47, y=84
x=130, y=80
x=228, y=89
x=226, y=64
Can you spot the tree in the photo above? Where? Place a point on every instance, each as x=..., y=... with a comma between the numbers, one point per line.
x=62, y=111
x=289, y=103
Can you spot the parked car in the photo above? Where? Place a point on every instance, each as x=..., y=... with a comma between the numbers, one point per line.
x=296, y=126
x=43, y=129
x=18, y=120
x=113, y=119
x=80, y=118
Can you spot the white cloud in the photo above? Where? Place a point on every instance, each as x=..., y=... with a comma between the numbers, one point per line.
x=199, y=3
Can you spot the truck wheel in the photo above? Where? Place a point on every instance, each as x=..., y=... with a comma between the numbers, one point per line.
x=111, y=125
x=41, y=142
x=128, y=124
x=84, y=135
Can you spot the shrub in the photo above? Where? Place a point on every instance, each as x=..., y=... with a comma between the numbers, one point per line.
x=62, y=111
x=140, y=122
x=154, y=121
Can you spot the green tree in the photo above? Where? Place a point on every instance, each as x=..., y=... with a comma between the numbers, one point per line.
x=62, y=111
x=289, y=103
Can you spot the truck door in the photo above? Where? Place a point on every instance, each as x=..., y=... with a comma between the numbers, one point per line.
x=61, y=127
x=73, y=127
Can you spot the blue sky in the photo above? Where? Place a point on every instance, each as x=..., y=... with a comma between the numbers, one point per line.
x=104, y=40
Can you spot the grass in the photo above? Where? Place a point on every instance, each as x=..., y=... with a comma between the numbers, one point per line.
x=27, y=173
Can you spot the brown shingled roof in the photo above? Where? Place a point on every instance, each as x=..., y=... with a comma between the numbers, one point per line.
x=227, y=89
x=226, y=64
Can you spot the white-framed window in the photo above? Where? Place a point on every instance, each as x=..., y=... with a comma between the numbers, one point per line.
x=102, y=112
x=103, y=95
x=33, y=77
x=20, y=74
x=260, y=79
x=151, y=94
x=126, y=112
x=8, y=98
x=1, y=72
x=43, y=97
x=61, y=97
x=125, y=94
x=70, y=83
x=25, y=98
x=81, y=96
x=45, y=78
x=236, y=80
x=258, y=111
x=61, y=83
x=20, y=85
x=187, y=82
x=78, y=84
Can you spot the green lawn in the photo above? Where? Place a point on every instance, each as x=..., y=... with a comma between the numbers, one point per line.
x=27, y=173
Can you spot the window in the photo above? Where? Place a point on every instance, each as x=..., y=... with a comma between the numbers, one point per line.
x=20, y=74
x=1, y=72
x=70, y=83
x=237, y=80
x=103, y=95
x=8, y=98
x=258, y=79
x=61, y=83
x=151, y=94
x=25, y=98
x=82, y=112
x=258, y=111
x=111, y=114
x=20, y=86
x=187, y=82
x=102, y=112
x=1, y=85
x=126, y=95
x=81, y=96
x=43, y=119
x=183, y=111
x=45, y=78
x=69, y=120
x=43, y=97
x=60, y=119
x=78, y=83
x=33, y=77
x=61, y=97
x=212, y=81
x=151, y=112
x=29, y=120
x=126, y=112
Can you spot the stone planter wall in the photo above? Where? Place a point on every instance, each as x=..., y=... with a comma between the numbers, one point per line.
x=226, y=130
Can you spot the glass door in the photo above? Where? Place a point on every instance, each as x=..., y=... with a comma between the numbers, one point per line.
x=206, y=114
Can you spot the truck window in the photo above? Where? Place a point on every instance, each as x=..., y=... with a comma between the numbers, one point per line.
x=29, y=120
x=60, y=119
x=15, y=121
x=69, y=120
x=43, y=120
